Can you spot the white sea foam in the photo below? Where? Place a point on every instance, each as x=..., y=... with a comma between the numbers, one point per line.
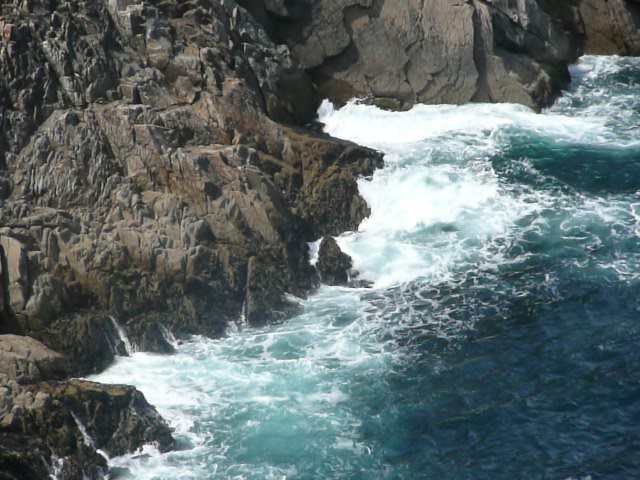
x=438, y=203
x=430, y=206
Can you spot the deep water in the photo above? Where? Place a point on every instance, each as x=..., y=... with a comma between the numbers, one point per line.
x=501, y=340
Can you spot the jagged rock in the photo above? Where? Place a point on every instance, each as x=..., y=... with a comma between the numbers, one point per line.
x=155, y=168
x=88, y=340
x=333, y=264
x=401, y=52
x=70, y=421
x=26, y=360
x=150, y=335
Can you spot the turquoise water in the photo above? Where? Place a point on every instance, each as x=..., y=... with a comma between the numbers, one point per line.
x=501, y=340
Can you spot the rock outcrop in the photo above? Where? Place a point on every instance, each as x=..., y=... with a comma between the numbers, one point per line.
x=153, y=170
x=396, y=53
x=65, y=428
x=333, y=264
x=402, y=52
x=26, y=360
x=70, y=428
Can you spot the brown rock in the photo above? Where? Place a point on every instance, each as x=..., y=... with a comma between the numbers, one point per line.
x=611, y=27
x=149, y=207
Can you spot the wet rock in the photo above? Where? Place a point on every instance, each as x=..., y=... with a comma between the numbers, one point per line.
x=266, y=298
x=88, y=341
x=149, y=335
x=333, y=264
x=70, y=421
x=26, y=360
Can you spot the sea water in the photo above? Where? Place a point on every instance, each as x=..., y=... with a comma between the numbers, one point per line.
x=501, y=339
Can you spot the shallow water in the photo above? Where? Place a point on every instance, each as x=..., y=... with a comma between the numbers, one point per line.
x=500, y=340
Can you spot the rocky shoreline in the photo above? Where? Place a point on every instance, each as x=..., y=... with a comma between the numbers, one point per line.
x=161, y=173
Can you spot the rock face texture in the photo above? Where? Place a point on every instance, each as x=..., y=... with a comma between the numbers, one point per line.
x=152, y=171
x=402, y=52
x=611, y=27
x=52, y=427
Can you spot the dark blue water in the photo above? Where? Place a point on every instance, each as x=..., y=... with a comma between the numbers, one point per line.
x=501, y=340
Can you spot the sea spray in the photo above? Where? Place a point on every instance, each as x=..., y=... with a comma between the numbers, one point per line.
x=122, y=335
x=168, y=336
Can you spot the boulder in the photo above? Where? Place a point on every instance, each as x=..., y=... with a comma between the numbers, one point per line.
x=333, y=264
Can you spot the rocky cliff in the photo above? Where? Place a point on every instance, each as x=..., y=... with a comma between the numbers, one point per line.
x=160, y=170
x=153, y=171
x=401, y=52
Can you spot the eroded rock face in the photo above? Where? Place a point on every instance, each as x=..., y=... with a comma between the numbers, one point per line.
x=402, y=52
x=611, y=27
x=149, y=152
x=59, y=426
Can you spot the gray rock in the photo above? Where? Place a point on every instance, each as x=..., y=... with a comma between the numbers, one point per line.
x=396, y=53
x=13, y=255
x=26, y=360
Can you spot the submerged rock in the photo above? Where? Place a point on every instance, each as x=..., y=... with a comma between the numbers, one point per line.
x=333, y=264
